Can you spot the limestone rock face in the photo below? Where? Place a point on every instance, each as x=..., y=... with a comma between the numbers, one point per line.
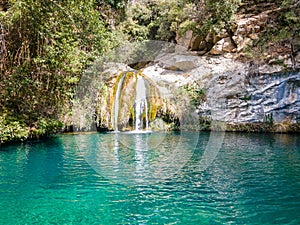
x=228, y=46
x=248, y=99
x=184, y=40
x=236, y=92
x=218, y=48
x=179, y=62
x=128, y=94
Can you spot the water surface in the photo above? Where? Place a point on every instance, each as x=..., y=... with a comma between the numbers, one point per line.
x=254, y=179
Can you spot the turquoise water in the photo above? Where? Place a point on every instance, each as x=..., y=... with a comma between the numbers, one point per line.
x=254, y=179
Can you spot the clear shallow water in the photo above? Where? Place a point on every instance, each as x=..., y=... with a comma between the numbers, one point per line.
x=255, y=179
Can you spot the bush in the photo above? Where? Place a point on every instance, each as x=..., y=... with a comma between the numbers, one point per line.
x=15, y=129
x=12, y=130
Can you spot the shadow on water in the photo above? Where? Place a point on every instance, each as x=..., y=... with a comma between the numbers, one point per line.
x=34, y=164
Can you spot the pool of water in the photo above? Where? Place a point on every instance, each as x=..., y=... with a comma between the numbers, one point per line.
x=111, y=179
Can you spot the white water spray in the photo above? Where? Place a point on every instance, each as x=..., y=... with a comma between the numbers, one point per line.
x=117, y=102
x=141, y=105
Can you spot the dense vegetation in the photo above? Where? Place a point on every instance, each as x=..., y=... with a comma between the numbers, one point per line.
x=46, y=44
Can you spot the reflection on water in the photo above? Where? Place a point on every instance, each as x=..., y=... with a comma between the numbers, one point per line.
x=131, y=158
x=141, y=161
x=254, y=179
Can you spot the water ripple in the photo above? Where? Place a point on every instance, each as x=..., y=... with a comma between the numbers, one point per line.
x=253, y=180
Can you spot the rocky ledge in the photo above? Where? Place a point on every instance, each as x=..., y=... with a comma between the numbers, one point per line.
x=245, y=96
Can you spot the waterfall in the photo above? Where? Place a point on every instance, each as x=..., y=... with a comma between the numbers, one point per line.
x=141, y=105
x=147, y=120
x=117, y=102
x=131, y=90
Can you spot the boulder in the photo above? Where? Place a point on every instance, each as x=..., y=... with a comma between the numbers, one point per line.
x=197, y=43
x=179, y=62
x=218, y=48
x=243, y=43
x=185, y=39
x=228, y=46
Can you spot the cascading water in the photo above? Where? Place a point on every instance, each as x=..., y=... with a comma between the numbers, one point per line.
x=141, y=105
x=131, y=93
x=117, y=102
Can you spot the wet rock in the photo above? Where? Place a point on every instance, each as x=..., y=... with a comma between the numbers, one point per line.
x=112, y=69
x=236, y=92
x=244, y=99
x=159, y=125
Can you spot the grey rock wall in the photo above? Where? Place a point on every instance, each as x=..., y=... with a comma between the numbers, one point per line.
x=259, y=98
x=236, y=92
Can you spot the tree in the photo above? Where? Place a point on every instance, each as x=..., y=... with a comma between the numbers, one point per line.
x=164, y=20
x=45, y=46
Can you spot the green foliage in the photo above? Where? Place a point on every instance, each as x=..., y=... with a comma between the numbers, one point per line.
x=12, y=129
x=221, y=12
x=15, y=128
x=114, y=3
x=46, y=46
x=47, y=126
x=205, y=123
x=164, y=19
x=269, y=119
x=157, y=19
x=249, y=52
x=285, y=32
x=195, y=93
x=49, y=38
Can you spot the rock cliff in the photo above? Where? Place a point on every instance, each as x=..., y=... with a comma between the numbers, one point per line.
x=235, y=92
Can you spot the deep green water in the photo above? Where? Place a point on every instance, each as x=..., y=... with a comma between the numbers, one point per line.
x=254, y=179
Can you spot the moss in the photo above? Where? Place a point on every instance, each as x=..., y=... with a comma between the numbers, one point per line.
x=159, y=125
x=284, y=127
x=204, y=123
x=249, y=52
x=246, y=98
x=269, y=119
x=127, y=114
